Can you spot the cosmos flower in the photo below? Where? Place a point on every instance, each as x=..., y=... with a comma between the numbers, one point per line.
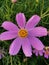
x=25, y=34
x=38, y=52
x=13, y=1
x=46, y=52
x=2, y=52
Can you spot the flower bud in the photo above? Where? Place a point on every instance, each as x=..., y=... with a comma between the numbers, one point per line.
x=48, y=32
x=13, y=1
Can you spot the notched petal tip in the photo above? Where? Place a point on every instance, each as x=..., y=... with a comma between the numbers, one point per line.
x=11, y=53
x=8, y=25
x=21, y=20
x=44, y=31
x=33, y=21
x=28, y=55
x=37, y=17
x=4, y=23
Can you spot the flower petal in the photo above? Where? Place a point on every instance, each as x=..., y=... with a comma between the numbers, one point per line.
x=40, y=53
x=8, y=35
x=9, y=26
x=20, y=18
x=26, y=46
x=35, y=52
x=36, y=43
x=32, y=22
x=15, y=46
x=46, y=56
x=38, y=32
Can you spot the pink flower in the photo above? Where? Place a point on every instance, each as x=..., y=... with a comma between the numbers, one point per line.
x=13, y=1
x=25, y=34
x=46, y=52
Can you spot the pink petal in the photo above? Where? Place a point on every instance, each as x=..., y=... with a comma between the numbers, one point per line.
x=15, y=47
x=46, y=56
x=36, y=43
x=20, y=18
x=26, y=47
x=40, y=53
x=9, y=26
x=32, y=22
x=38, y=31
x=36, y=53
x=8, y=35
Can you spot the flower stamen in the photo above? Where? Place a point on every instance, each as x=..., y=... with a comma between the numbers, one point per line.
x=23, y=33
x=47, y=50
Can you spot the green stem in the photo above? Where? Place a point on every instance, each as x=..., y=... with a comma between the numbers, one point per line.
x=42, y=7
x=46, y=12
x=11, y=60
x=44, y=15
x=12, y=6
x=6, y=2
x=45, y=61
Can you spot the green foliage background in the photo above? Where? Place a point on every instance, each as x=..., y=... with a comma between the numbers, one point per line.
x=8, y=12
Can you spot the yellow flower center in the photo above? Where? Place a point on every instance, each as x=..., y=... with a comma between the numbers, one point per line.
x=23, y=33
x=47, y=50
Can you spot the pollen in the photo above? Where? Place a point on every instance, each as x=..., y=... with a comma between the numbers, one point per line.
x=23, y=33
x=47, y=50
